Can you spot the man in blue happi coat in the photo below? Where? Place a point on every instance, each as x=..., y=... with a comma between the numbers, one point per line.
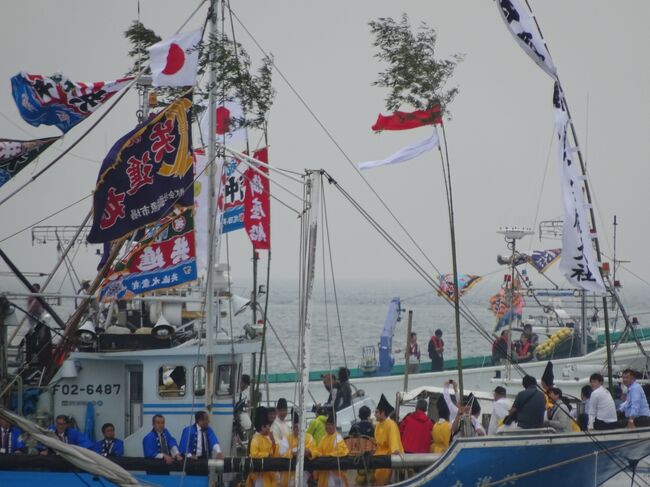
x=109, y=446
x=199, y=440
x=10, y=439
x=67, y=434
x=159, y=443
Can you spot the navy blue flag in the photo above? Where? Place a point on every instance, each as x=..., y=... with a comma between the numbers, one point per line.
x=55, y=100
x=145, y=174
x=543, y=259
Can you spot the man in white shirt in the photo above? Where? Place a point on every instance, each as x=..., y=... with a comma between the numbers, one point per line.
x=279, y=427
x=602, y=411
x=500, y=409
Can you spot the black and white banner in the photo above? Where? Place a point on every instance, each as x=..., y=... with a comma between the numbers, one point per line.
x=521, y=23
x=578, y=264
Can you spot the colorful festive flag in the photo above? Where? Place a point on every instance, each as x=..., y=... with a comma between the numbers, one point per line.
x=55, y=100
x=543, y=259
x=229, y=118
x=465, y=283
x=164, y=258
x=257, y=203
x=232, y=195
x=408, y=120
x=407, y=153
x=16, y=154
x=579, y=263
x=508, y=304
x=174, y=61
x=145, y=174
x=522, y=25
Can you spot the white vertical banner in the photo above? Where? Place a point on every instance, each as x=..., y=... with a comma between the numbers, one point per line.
x=522, y=25
x=578, y=264
x=201, y=206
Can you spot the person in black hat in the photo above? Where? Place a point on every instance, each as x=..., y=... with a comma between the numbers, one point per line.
x=263, y=446
x=441, y=432
x=547, y=383
x=279, y=427
x=387, y=438
x=500, y=409
x=475, y=411
x=332, y=445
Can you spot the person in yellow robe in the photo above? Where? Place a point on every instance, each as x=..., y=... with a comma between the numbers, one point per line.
x=262, y=446
x=441, y=432
x=311, y=451
x=387, y=438
x=332, y=445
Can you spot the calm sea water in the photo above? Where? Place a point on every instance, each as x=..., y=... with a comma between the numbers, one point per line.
x=362, y=309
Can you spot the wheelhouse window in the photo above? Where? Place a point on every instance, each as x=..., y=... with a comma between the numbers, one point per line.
x=226, y=379
x=199, y=380
x=172, y=380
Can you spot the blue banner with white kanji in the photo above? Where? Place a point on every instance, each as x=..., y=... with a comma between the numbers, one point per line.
x=145, y=174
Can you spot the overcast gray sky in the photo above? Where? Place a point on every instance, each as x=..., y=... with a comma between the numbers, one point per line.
x=499, y=137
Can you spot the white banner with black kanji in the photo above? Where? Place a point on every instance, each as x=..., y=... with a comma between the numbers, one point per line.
x=521, y=24
x=578, y=263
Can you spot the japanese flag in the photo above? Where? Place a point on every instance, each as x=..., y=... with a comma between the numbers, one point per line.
x=174, y=61
x=227, y=117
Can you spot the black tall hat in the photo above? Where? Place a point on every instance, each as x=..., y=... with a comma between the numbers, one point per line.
x=295, y=417
x=331, y=417
x=384, y=406
x=547, y=376
x=261, y=418
x=476, y=406
x=281, y=404
x=443, y=409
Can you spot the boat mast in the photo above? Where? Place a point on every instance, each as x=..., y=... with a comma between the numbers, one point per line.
x=308, y=261
x=210, y=318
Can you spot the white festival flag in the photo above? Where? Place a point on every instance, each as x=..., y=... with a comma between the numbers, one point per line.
x=174, y=61
x=227, y=116
x=578, y=264
x=521, y=24
x=407, y=153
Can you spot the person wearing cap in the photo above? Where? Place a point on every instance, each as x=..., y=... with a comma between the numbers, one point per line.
x=386, y=437
x=415, y=429
x=602, y=410
x=441, y=431
x=317, y=426
x=500, y=409
x=262, y=445
x=332, y=445
x=635, y=406
x=199, y=440
x=279, y=427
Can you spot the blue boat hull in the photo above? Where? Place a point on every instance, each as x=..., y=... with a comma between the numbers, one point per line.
x=524, y=460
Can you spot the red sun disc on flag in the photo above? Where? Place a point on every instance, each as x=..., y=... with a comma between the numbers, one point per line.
x=175, y=60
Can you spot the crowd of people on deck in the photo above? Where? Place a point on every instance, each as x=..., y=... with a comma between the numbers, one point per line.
x=277, y=431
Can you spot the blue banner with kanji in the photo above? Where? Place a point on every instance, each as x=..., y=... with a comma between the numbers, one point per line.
x=145, y=174
x=164, y=258
x=55, y=100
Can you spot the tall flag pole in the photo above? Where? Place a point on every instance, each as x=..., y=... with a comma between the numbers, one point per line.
x=515, y=10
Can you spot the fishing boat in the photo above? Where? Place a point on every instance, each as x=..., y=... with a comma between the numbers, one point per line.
x=183, y=363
